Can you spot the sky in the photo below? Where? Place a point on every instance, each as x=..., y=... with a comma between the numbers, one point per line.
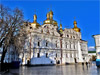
x=86, y=13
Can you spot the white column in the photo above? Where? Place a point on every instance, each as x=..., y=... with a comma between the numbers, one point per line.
x=80, y=59
x=97, y=43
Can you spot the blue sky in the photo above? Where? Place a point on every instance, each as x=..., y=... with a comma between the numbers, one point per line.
x=86, y=13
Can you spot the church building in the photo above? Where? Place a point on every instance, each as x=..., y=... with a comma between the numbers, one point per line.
x=48, y=44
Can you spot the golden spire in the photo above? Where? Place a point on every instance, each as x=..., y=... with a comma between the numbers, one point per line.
x=35, y=18
x=51, y=15
x=35, y=24
x=61, y=28
x=48, y=16
x=75, y=26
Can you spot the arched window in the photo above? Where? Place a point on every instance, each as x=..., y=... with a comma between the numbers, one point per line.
x=38, y=55
x=30, y=27
x=74, y=46
x=70, y=45
x=56, y=44
x=74, y=37
x=46, y=55
x=42, y=31
x=46, y=43
x=38, y=43
x=67, y=35
x=56, y=55
x=66, y=45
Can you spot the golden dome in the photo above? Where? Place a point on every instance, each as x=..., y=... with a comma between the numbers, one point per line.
x=61, y=30
x=75, y=27
x=49, y=19
x=48, y=22
x=35, y=24
x=75, y=22
x=51, y=12
x=51, y=15
x=55, y=23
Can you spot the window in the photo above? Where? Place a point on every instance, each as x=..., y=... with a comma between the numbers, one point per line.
x=74, y=37
x=38, y=55
x=56, y=43
x=67, y=35
x=44, y=26
x=56, y=55
x=66, y=45
x=70, y=45
x=74, y=45
x=46, y=55
x=30, y=27
x=38, y=43
x=46, y=43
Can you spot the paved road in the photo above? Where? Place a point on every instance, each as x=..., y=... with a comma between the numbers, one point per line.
x=56, y=70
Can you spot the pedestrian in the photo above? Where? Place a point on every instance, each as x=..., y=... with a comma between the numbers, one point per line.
x=87, y=64
x=83, y=65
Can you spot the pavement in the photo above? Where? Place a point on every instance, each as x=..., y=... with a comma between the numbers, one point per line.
x=76, y=69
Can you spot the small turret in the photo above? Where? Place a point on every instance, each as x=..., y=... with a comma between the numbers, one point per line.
x=61, y=30
x=75, y=27
x=49, y=19
x=35, y=18
x=51, y=15
x=35, y=24
x=48, y=16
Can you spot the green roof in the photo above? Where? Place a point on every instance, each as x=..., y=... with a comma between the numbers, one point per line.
x=91, y=51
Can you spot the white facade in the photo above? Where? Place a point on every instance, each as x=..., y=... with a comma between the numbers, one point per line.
x=97, y=45
x=46, y=45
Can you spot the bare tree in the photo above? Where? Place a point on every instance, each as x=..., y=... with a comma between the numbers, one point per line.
x=11, y=22
x=20, y=39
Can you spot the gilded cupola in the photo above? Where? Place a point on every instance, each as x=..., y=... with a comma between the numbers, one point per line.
x=75, y=27
x=61, y=30
x=49, y=19
x=35, y=24
x=51, y=15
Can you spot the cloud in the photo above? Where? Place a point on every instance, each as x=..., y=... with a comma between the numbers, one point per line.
x=91, y=48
